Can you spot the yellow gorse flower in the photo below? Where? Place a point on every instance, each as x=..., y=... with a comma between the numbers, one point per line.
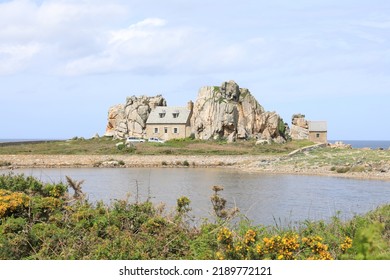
x=250, y=237
x=12, y=201
x=346, y=244
x=316, y=246
x=225, y=236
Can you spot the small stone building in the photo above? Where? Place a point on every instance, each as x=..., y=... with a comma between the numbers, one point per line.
x=318, y=131
x=169, y=122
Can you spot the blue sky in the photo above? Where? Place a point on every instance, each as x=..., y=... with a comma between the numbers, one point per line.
x=64, y=63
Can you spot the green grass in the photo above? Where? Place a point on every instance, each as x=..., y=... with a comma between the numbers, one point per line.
x=341, y=160
x=186, y=146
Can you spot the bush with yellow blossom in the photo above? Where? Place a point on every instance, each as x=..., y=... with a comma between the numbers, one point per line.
x=12, y=202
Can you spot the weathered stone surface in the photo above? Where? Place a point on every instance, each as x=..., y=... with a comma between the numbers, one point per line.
x=230, y=110
x=340, y=145
x=227, y=111
x=114, y=113
x=263, y=142
x=129, y=119
x=299, y=129
x=299, y=133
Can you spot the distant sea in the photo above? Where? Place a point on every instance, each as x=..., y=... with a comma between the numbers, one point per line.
x=366, y=143
x=23, y=140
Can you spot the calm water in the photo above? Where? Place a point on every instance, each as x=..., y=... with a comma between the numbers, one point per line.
x=262, y=198
x=365, y=144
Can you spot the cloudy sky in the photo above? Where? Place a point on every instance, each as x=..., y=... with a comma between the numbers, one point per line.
x=64, y=63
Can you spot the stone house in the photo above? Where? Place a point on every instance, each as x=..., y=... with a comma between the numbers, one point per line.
x=169, y=122
x=318, y=131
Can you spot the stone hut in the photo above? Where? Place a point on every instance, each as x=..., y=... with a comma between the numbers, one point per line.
x=318, y=131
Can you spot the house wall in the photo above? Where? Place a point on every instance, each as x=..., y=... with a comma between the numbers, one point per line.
x=182, y=131
x=318, y=136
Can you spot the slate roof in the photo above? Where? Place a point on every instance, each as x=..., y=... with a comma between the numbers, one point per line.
x=318, y=126
x=165, y=115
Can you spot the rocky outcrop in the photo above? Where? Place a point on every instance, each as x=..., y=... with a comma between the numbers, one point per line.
x=232, y=112
x=129, y=119
x=299, y=129
x=115, y=112
x=227, y=111
x=340, y=145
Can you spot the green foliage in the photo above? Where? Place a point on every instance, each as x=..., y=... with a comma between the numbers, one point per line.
x=281, y=127
x=344, y=169
x=120, y=146
x=41, y=221
x=183, y=205
x=369, y=243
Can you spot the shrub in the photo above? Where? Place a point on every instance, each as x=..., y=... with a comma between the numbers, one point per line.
x=358, y=168
x=120, y=146
x=343, y=169
x=12, y=203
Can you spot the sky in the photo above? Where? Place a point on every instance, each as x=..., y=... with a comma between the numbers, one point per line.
x=64, y=63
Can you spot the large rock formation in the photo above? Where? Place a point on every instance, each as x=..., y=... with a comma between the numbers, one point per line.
x=232, y=112
x=130, y=118
x=226, y=111
x=299, y=127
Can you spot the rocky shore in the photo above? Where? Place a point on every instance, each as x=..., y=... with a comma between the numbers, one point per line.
x=53, y=161
x=246, y=163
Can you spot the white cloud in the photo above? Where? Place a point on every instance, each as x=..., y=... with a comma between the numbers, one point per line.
x=87, y=37
x=153, y=45
x=14, y=57
x=65, y=29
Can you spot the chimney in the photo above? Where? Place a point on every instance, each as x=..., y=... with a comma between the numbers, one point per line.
x=190, y=106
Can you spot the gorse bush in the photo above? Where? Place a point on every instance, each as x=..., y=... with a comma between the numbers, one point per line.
x=49, y=221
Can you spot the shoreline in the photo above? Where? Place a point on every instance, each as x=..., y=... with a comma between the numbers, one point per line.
x=246, y=163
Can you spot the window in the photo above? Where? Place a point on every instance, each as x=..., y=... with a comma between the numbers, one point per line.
x=165, y=129
x=318, y=135
x=155, y=130
x=175, y=115
x=175, y=130
x=161, y=115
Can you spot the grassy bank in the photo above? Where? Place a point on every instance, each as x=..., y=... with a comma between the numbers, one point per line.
x=47, y=221
x=339, y=161
x=107, y=146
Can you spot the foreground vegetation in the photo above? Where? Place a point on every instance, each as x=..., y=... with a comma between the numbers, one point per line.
x=186, y=146
x=55, y=221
